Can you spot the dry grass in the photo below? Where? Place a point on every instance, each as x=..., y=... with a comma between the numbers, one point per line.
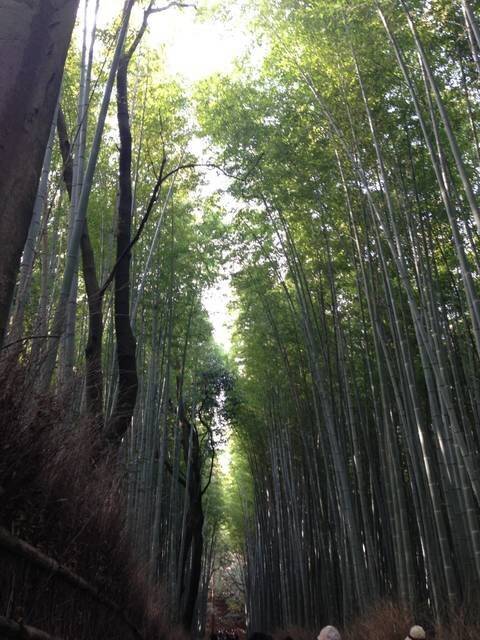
x=388, y=621
x=385, y=621
x=54, y=496
x=459, y=629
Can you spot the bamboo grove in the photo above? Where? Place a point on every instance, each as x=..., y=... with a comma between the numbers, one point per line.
x=351, y=397
x=107, y=311
x=356, y=265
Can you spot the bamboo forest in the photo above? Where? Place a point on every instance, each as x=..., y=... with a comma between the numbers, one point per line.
x=240, y=319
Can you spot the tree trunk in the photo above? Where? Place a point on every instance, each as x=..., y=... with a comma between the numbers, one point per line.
x=34, y=39
x=79, y=223
x=193, y=542
x=93, y=350
x=126, y=343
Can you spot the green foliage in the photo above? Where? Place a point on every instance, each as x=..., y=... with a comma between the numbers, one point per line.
x=356, y=347
x=341, y=247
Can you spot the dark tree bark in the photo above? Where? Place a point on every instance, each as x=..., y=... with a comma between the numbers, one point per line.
x=93, y=350
x=126, y=343
x=34, y=39
x=190, y=581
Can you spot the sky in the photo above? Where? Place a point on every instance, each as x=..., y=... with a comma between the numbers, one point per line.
x=196, y=44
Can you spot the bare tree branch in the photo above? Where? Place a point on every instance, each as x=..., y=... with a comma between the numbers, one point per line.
x=150, y=10
x=134, y=240
x=154, y=197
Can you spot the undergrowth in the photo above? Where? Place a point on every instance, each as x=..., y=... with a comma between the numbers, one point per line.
x=389, y=621
x=57, y=494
